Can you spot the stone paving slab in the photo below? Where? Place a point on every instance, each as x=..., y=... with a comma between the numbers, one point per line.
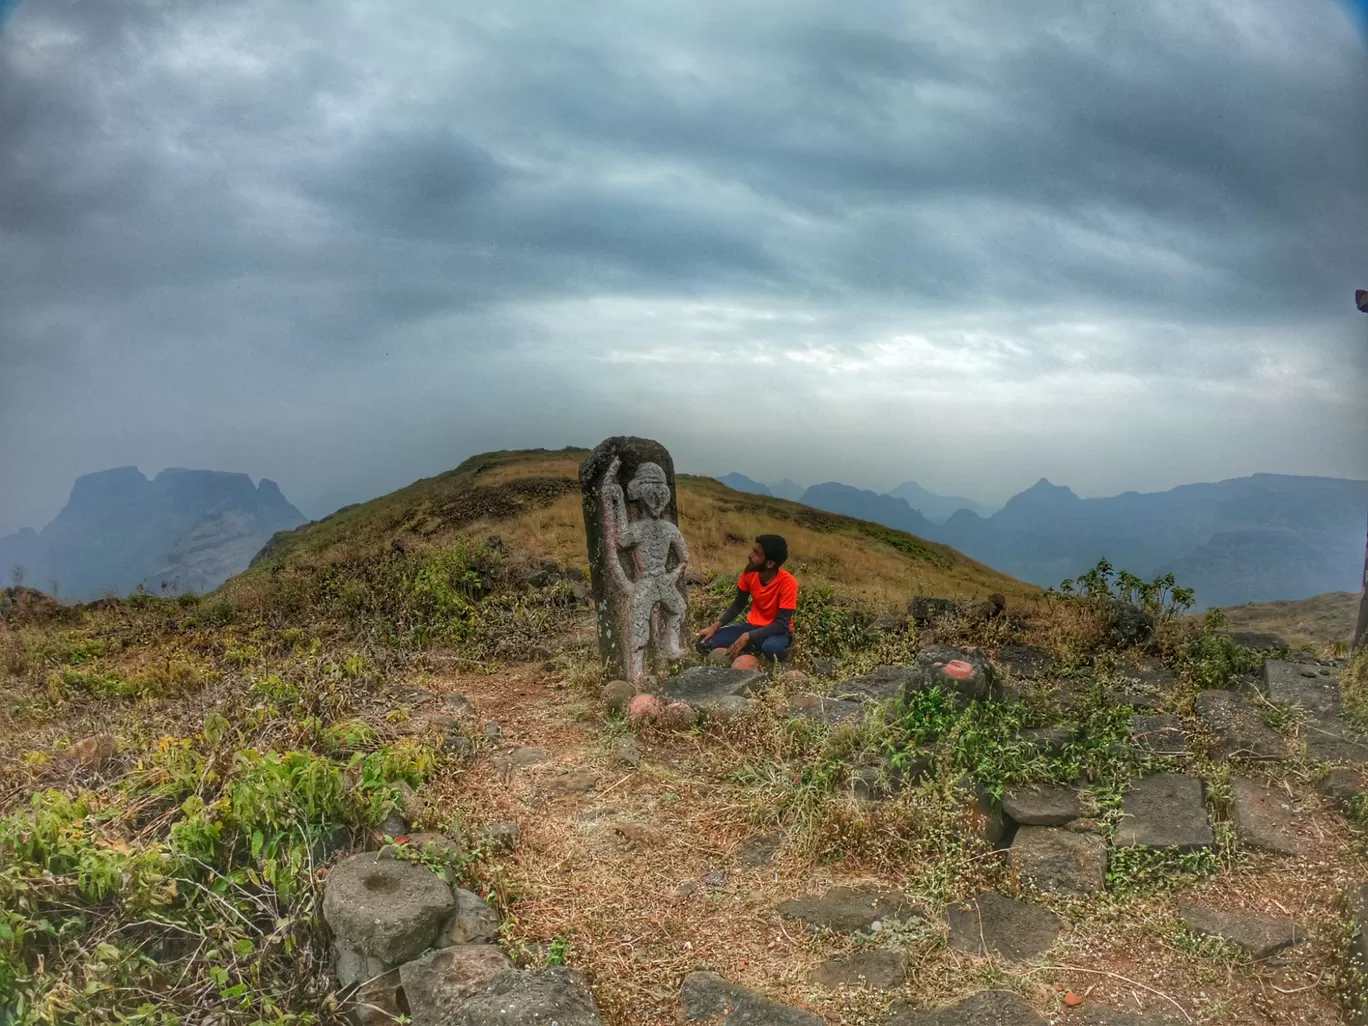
x=1159, y=734
x=1257, y=934
x=986, y=1008
x=877, y=969
x=1058, y=861
x=1042, y=805
x=882, y=684
x=708, y=997
x=846, y=909
x=1265, y=818
x=1164, y=810
x=1240, y=730
x=998, y=925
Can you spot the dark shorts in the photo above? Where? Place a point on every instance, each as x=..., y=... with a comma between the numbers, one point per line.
x=776, y=646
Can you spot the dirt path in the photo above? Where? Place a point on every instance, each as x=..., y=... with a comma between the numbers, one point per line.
x=651, y=871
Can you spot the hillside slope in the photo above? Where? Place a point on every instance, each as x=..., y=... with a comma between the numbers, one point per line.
x=531, y=500
x=1318, y=621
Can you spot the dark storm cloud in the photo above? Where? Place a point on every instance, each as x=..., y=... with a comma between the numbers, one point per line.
x=413, y=230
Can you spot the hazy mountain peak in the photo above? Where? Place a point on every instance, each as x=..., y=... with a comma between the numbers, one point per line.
x=742, y=483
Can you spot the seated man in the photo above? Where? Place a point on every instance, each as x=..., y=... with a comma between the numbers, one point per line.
x=773, y=597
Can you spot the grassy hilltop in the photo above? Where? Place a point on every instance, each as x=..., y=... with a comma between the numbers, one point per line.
x=178, y=774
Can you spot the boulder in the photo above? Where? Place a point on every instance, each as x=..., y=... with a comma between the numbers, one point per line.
x=678, y=716
x=385, y=909
x=1042, y=805
x=875, y=968
x=644, y=709
x=1059, y=861
x=377, y=1001
x=536, y=997
x=926, y=610
x=1257, y=934
x=846, y=909
x=1265, y=818
x=883, y=684
x=987, y=1008
x=473, y=921
x=1025, y=661
x=1159, y=734
x=1164, y=810
x=995, y=925
x=617, y=695
x=963, y=672
x=982, y=815
x=1128, y=625
x=1239, y=730
x=1344, y=784
x=439, y=983
x=700, y=685
x=889, y=623
x=708, y=997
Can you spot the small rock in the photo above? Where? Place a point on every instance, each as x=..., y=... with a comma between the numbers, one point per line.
x=640, y=833
x=1042, y=805
x=1258, y=934
x=458, y=705
x=1159, y=734
x=719, y=657
x=1164, y=810
x=1344, y=784
x=706, y=996
x=982, y=816
x=1085, y=826
x=1239, y=731
x=473, y=922
x=1059, y=861
x=377, y=1000
x=394, y=825
x=846, y=909
x=557, y=995
x=457, y=746
x=501, y=837
x=678, y=716
x=716, y=879
x=573, y=781
x=926, y=610
x=824, y=667
x=987, y=1008
x=760, y=849
x=993, y=924
x=386, y=909
x=644, y=709
x=1265, y=818
x=437, y=984
x=876, y=783
x=876, y=969
x=628, y=752
x=617, y=695
x=793, y=679
x=746, y=662
x=889, y=623
x=493, y=732
x=1129, y=625
x=521, y=758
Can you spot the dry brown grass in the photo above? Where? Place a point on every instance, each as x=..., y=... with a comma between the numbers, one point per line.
x=1319, y=621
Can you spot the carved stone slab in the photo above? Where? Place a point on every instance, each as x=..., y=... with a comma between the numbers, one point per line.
x=636, y=555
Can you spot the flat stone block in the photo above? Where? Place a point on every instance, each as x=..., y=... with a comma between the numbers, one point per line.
x=1253, y=932
x=1058, y=861
x=998, y=925
x=1165, y=810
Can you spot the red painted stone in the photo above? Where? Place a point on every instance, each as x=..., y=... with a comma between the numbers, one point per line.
x=746, y=662
x=958, y=669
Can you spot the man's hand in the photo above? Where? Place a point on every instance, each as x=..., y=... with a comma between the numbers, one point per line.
x=707, y=632
x=738, y=646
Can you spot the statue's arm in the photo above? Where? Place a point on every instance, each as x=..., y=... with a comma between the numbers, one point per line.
x=680, y=550
x=615, y=506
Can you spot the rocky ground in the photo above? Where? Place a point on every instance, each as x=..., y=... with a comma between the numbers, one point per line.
x=1210, y=888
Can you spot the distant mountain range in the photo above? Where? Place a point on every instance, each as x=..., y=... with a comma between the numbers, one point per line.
x=1264, y=538
x=192, y=529
x=938, y=508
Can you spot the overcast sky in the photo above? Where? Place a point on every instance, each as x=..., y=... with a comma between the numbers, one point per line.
x=347, y=244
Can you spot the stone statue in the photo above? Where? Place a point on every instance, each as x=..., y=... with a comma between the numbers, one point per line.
x=637, y=556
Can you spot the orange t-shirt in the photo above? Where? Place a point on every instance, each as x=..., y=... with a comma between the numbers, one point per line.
x=768, y=599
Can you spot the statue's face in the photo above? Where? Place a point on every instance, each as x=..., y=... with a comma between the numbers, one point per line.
x=655, y=496
x=650, y=488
